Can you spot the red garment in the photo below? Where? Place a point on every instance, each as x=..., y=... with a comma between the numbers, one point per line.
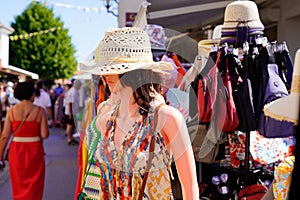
x=80, y=170
x=181, y=70
x=27, y=162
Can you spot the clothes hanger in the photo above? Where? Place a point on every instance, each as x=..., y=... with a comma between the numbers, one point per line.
x=214, y=48
x=246, y=48
x=280, y=47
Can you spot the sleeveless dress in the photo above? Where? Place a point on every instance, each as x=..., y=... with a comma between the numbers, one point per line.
x=122, y=170
x=26, y=161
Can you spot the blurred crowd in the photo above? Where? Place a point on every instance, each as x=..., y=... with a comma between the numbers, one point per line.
x=49, y=96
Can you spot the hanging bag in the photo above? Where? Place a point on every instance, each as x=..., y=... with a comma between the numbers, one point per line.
x=226, y=114
x=207, y=93
x=275, y=89
x=243, y=95
x=252, y=192
x=198, y=133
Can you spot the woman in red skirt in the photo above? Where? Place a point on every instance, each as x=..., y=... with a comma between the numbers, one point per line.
x=28, y=125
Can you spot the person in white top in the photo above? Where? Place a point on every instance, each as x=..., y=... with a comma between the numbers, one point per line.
x=42, y=98
x=72, y=108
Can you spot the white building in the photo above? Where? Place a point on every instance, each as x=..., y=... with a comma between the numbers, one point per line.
x=4, y=56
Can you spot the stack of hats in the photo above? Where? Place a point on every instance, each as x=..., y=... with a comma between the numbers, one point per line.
x=241, y=22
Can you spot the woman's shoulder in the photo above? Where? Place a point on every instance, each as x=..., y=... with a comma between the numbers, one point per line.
x=169, y=110
x=169, y=113
x=103, y=106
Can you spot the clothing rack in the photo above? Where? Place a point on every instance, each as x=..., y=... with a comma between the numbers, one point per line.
x=252, y=50
x=254, y=42
x=273, y=48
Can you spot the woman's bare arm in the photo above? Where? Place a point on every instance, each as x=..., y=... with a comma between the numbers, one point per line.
x=44, y=124
x=174, y=128
x=6, y=133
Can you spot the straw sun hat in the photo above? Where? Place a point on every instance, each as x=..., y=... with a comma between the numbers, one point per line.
x=242, y=13
x=287, y=108
x=122, y=50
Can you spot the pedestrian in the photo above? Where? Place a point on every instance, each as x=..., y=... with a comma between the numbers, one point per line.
x=27, y=123
x=126, y=124
x=43, y=99
x=58, y=90
x=72, y=108
x=9, y=90
x=4, y=104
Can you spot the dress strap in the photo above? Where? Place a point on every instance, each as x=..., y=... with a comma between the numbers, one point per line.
x=12, y=114
x=113, y=116
x=38, y=112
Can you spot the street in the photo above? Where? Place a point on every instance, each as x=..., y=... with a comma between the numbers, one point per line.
x=61, y=169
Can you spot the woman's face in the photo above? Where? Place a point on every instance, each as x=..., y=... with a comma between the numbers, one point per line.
x=113, y=82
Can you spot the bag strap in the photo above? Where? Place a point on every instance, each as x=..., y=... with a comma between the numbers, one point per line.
x=151, y=153
x=24, y=119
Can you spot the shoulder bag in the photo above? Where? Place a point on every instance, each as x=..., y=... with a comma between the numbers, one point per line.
x=91, y=182
x=151, y=152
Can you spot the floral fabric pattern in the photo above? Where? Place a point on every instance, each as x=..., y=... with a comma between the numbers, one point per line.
x=283, y=176
x=270, y=150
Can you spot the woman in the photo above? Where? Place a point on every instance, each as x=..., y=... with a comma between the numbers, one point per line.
x=28, y=125
x=43, y=99
x=125, y=122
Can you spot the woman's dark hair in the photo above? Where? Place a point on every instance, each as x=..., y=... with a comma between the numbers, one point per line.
x=39, y=85
x=24, y=90
x=106, y=88
x=142, y=81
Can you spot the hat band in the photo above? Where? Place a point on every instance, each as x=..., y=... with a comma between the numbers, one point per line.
x=117, y=60
x=296, y=84
x=241, y=22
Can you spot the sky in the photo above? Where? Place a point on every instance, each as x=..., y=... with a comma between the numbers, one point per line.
x=86, y=29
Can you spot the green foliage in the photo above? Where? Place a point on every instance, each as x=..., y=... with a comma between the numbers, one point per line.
x=51, y=55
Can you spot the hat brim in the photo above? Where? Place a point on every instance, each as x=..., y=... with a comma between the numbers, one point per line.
x=121, y=68
x=208, y=42
x=284, y=109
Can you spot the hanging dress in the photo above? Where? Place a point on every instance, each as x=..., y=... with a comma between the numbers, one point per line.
x=122, y=170
x=26, y=160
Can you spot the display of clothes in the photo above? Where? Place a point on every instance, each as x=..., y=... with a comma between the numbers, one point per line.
x=248, y=54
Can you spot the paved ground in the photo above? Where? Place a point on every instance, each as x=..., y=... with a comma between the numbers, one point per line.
x=61, y=169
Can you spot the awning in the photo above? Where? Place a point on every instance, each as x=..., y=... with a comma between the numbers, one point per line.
x=18, y=71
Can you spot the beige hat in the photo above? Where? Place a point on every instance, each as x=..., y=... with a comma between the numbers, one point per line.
x=204, y=46
x=242, y=13
x=287, y=108
x=122, y=50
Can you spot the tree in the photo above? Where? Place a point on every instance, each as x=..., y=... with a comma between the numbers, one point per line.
x=51, y=54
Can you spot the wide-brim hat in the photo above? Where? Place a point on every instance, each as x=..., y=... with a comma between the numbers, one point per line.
x=242, y=13
x=122, y=50
x=287, y=108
